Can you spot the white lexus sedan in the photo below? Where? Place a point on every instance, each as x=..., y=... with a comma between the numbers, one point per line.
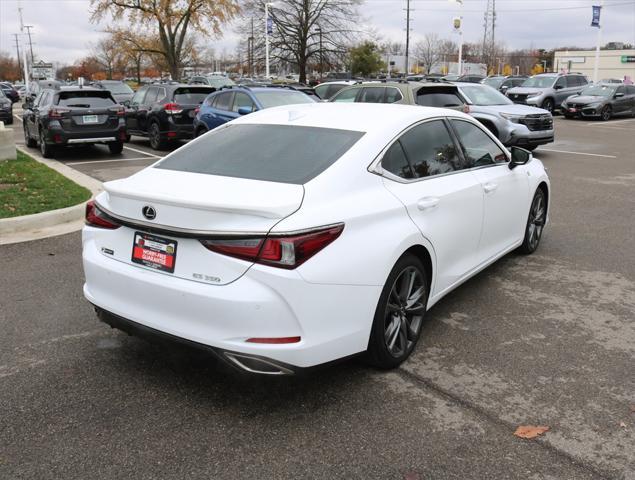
x=299, y=235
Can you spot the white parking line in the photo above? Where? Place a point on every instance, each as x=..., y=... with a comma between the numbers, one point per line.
x=611, y=122
x=141, y=151
x=111, y=160
x=577, y=153
x=19, y=117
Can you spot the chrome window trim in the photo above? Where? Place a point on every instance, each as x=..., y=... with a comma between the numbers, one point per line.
x=376, y=168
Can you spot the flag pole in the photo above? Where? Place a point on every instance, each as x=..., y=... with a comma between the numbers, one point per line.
x=597, y=48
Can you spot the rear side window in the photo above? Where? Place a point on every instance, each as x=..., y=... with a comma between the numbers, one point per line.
x=479, y=148
x=431, y=97
x=347, y=96
x=86, y=99
x=273, y=153
x=395, y=161
x=223, y=101
x=392, y=95
x=372, y=95
x=191, y=96
x=431, y=150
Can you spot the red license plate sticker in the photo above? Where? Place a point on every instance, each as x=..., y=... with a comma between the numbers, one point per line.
x=154, y=252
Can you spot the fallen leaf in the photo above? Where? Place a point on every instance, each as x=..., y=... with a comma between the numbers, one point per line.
x=529, y=431
x=632, y=408
x=622, y=424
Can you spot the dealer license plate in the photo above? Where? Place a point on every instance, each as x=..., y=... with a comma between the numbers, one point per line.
x=91, y=119
x=154, y=252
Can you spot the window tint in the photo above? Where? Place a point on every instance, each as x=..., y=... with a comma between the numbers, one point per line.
x=395, y=162
x=621, y=90
x=138, y=97
x=242, y=100
x=86, y=99
x=191, y=96
x=630, y=90
x=347, y=95
x=276, y=97
x=273, y=153
x=561, y=82
x=161, y=94
x=332, y=90
x=393, y=95
x=429, y=97
x=431, y=150
x=223, y=101
x=582, y=80
x=479, y=148
x=151, y=96
x=372, y=95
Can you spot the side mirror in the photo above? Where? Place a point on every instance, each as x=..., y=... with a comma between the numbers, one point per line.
x=504, y=88
x=619, y=95
x=244, y=110
x=520, y=156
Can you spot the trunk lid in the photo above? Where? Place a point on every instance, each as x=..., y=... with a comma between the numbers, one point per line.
x=188, y=99
x=190, y=206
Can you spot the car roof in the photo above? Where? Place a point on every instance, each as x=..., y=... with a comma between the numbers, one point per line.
x=363, y=117
x=74, y=88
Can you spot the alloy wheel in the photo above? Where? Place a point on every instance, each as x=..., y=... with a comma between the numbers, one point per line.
x=606, y=113
x=404, y=311
x=536, y=220
x=155, y=136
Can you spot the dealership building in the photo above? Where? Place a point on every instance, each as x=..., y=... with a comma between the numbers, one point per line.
x=613, y=63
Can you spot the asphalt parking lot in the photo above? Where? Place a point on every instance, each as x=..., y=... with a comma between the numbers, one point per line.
x=547, y=339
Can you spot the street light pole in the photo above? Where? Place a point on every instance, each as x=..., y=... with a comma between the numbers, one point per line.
x=460, y=32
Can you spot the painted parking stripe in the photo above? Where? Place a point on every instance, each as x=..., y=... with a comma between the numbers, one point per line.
x=610, y=122
x=111, y=160
x=141, y=151
x=19, y=117
x=577, y=153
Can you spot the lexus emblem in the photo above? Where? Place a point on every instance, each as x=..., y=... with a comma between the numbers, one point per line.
x=149, y=212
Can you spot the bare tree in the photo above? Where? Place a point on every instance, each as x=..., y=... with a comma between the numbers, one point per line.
x=428, y=52
x=110, y=55
x=300, y=28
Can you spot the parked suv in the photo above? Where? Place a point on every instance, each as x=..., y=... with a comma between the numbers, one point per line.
x=514, y=125
x=10, y=92
x=120, y=91
x=504, y=83
x=165, y=112
x=6, y=109
x=232, y=102
x=548, y=90
x=73, y=115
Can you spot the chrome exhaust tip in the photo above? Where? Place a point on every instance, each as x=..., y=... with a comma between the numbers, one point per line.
x=257, y=365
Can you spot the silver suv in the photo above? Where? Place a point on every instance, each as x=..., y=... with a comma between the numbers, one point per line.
x=548, y=90
x=514, y=125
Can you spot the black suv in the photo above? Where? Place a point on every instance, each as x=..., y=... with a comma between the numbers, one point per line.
x=165, y=112
x=73, y=115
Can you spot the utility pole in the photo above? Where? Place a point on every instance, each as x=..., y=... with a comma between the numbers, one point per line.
x=407, y=33
x=17, y=50
x=489, y=34
x=26, y=68
x=28, y=32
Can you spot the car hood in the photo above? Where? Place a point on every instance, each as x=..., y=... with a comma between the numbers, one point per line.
x=586, y=99
x=524, y=90
x=515, y=109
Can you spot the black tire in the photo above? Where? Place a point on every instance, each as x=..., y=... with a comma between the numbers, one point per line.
x=606, y=113
x=397, y=326
x=199, y=132
x=535, y=223
x=45, y=149
x=157, y=142
x=115, y=147
x=28, y=141
x=548, y=105
x=568, y=117
x=127, y=138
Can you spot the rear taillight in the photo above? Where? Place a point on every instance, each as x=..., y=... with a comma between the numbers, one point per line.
x=196, y=110
x=118, y=110
x=288, y=251
x=172, y=108
x=58, y=112
x=96, y=218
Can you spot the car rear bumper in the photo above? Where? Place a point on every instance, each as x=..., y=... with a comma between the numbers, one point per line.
x=58, y=136
x=178, y=131
x=333, y=321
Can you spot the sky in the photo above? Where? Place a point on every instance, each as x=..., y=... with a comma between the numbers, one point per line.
x=62, y=32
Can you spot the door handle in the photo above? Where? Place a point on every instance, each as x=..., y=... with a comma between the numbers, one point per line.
x=427, y=203
x=490, y=187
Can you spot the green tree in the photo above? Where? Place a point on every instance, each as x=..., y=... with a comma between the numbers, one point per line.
x=366, y=59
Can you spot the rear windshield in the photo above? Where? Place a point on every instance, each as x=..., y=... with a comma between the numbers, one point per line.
x=85, y=99
x=118, y=88
x=432, y=97
x=275, y=99
x=192, y=95
x=273, y=153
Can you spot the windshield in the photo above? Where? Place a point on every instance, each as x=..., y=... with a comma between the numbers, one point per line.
x=272, y=153
x=484, y=95
x=85, y=99
x=599, y=91
x=494, y=82
x=539, y=82
x=118, y=87
x=273, y=98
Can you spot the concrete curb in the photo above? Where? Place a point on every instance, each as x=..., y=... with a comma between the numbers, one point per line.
x=54, y=222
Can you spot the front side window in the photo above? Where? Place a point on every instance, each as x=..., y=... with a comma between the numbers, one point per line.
x=431, y=150
x=480, y=150
x=273, y=153
x=560, y=83
x=242, y=100
x=151, y=96
x=347, y=95
x=138, y=97
x=278, y=97
x=395, y=161
x=223, y=101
